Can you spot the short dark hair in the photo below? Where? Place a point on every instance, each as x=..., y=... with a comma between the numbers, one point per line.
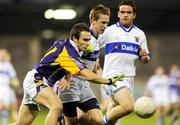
x=97, y=10
x=128, y=2
x=77, y=29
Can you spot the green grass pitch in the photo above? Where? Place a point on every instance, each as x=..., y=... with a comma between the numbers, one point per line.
x=131, y=119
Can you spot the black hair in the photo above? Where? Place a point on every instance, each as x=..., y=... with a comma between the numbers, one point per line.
x=128, y=2
x=77, y=29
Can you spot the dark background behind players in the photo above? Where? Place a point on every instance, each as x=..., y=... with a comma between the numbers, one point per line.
x=26, y=33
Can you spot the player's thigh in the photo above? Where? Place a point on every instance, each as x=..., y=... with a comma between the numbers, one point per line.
x=175, y=106
x=124, y=97
x=48, y=98
x=80, y=113
x=95, y=115
x=165, y=109
x=71, y=120
x=111, y=105
x=92, y=107
x=27, y=113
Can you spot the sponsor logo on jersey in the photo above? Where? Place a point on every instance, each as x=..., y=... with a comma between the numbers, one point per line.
x=130, y=48
x=123, y=47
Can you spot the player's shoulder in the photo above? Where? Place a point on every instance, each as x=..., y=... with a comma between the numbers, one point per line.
x=137, y=29
x=110, y=28
x=57, y=45
x=7, y=64
x=113, y=26
x=165, y=76
x=154, y=77
x=60, y=43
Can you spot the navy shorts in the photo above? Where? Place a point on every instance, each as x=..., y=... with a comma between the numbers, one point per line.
x=70, y=108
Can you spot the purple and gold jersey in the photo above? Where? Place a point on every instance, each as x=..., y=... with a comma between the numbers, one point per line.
x=63, y=55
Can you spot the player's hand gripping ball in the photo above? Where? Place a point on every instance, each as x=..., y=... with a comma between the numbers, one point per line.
x=145, y=107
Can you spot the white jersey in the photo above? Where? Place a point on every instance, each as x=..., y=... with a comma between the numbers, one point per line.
x=7, y=73
x=122, y=47
x=89, y=58
x=158, y=86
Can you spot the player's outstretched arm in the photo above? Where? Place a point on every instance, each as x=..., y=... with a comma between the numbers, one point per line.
x=90, y=76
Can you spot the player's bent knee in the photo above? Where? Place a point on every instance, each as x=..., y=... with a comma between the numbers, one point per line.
x=57, y=107
x=129, y=105
x=97, y=120
x=128, y=109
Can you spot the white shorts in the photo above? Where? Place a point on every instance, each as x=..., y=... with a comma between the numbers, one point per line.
x=7, y=96
x=127, y=82
x=31, y=89
x=174, y=97
x=162, y=99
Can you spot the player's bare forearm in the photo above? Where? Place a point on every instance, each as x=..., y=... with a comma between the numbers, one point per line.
x=90, y=76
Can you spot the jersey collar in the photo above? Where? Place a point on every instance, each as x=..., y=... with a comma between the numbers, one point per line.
x=92, y=34
x=119, y=24
x=74, y=45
